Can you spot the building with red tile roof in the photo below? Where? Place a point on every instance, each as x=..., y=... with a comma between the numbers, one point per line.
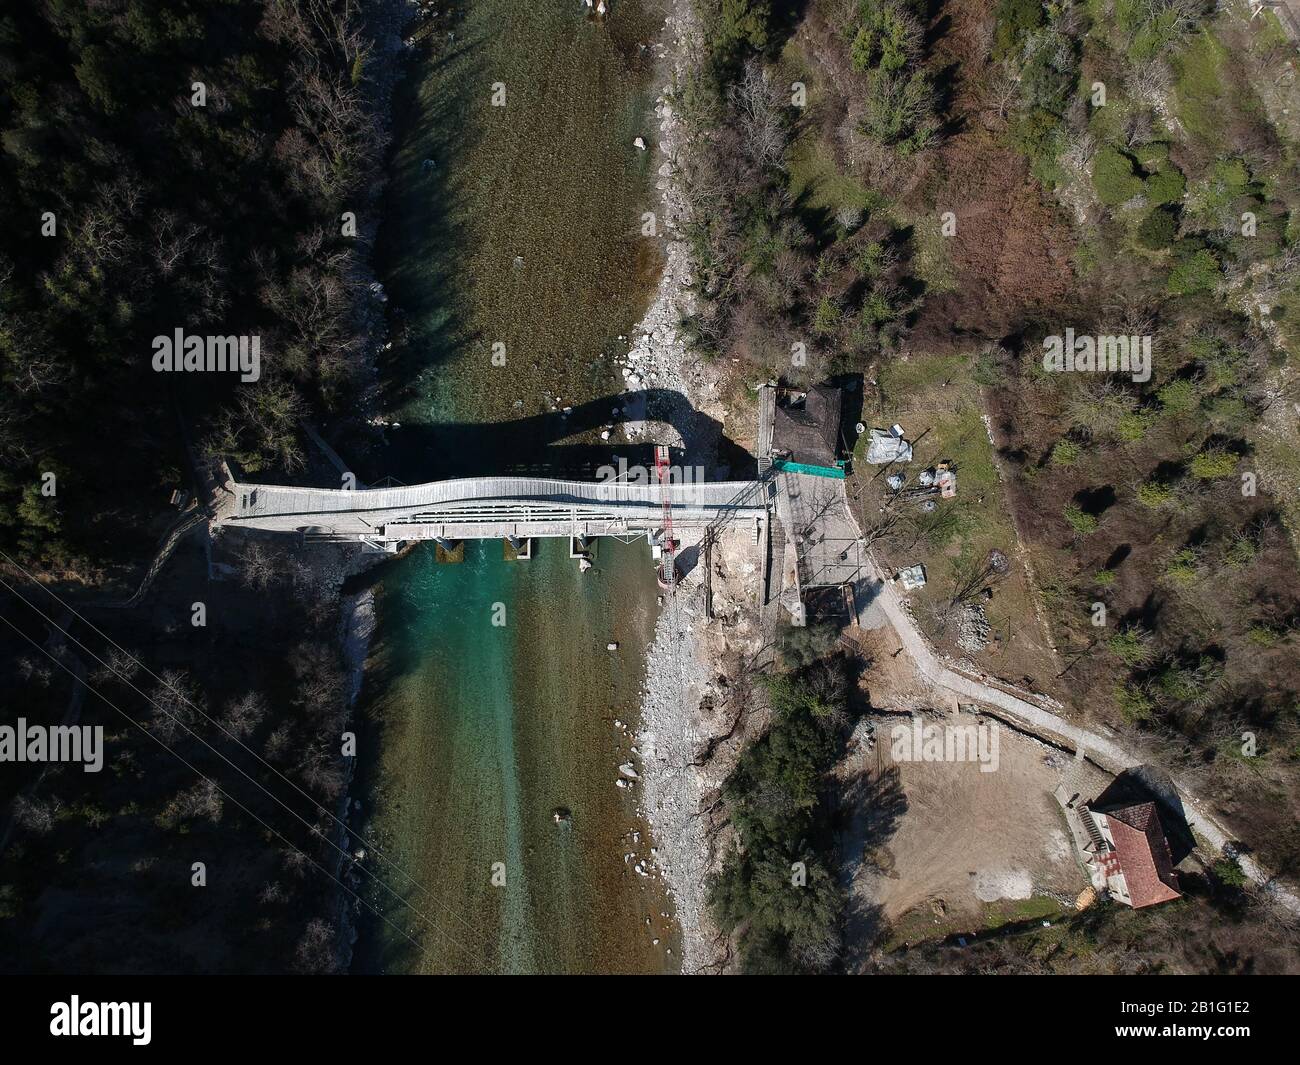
x=1134, y=859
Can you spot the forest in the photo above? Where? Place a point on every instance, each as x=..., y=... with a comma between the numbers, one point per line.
x=214, y=167
x=925, y=195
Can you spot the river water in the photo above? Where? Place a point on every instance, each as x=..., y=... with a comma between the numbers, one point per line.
x=490, y=696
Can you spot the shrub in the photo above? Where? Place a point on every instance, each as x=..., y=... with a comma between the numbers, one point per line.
x=1134, y=703
x=1229, y=414
x=1178, y=397
x=1229, y=873
x=870, y=261
x=1263, y=636
x=1196, y=271
x=1131, y=646
x=739, y=27
x=1165, y=186
x=1241, y=553
x=827, y=318
x=1213, y=464
x=1016, y=19
x=1228, y=181
x=1065, y=453
x=1158, y=229
x=1153, y=494
x=1179, y=684
x=1114, y=178
x=1132, y=426
x=886, y=39
x=899, y=110
x=1183, y=567
x=877, y=308
x=1080, y=520
x=1049, y=71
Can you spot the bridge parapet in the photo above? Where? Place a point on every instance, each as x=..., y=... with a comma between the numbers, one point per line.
x=491, y=507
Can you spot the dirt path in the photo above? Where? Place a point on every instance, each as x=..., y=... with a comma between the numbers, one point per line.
x=1019, y=710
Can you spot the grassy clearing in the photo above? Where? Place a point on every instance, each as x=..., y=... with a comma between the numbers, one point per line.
x=931, y=261
x=939, y=404
x=918, y=926
x=1016, y=911
x=940, y=408
x=924, y=924
x=1199, y=89
x=821, y=189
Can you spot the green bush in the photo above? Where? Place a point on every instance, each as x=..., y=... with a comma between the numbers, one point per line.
x=1165, y=186
x=1131, y=426
x=827, y=318
x=1131, y=646
x=1158, y=229
x=1016, y=19
x=1241, y=553
x=1229, y=414
x=1184, y=567
x=1049, y=72
x=736, y=28
x=1114, y=178
x=1134, y=703
x=900, y=110
x=1264, y=636
x=1154, y=494
x=1196, y=271
x=877, y=309
x=870, y=260
x=1214, y=464
x=1080, y=520
x=1229, y=873
x=1178, y=397
x=885, y=39
x=1065, y=453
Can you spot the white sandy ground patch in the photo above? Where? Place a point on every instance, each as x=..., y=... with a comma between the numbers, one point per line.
x=992, y=885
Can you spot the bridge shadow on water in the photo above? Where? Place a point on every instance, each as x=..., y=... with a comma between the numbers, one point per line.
x=553, y=444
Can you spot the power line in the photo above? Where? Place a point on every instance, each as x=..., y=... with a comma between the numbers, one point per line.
x=424, y=917
x=90, y=687
x=472, y=929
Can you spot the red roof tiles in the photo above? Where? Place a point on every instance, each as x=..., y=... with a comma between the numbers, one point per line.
x=1143, y=854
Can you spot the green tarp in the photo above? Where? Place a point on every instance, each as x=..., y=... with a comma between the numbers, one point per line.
x=816, y=471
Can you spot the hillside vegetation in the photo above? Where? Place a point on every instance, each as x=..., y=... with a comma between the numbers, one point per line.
x=963, y=182
x=171, y=165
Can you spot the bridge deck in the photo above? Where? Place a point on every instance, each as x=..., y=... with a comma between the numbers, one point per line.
x=486, y=507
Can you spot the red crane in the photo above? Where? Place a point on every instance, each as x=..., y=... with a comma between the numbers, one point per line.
x=663, y=472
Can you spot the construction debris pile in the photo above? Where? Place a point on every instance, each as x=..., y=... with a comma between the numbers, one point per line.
x=973, y=628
